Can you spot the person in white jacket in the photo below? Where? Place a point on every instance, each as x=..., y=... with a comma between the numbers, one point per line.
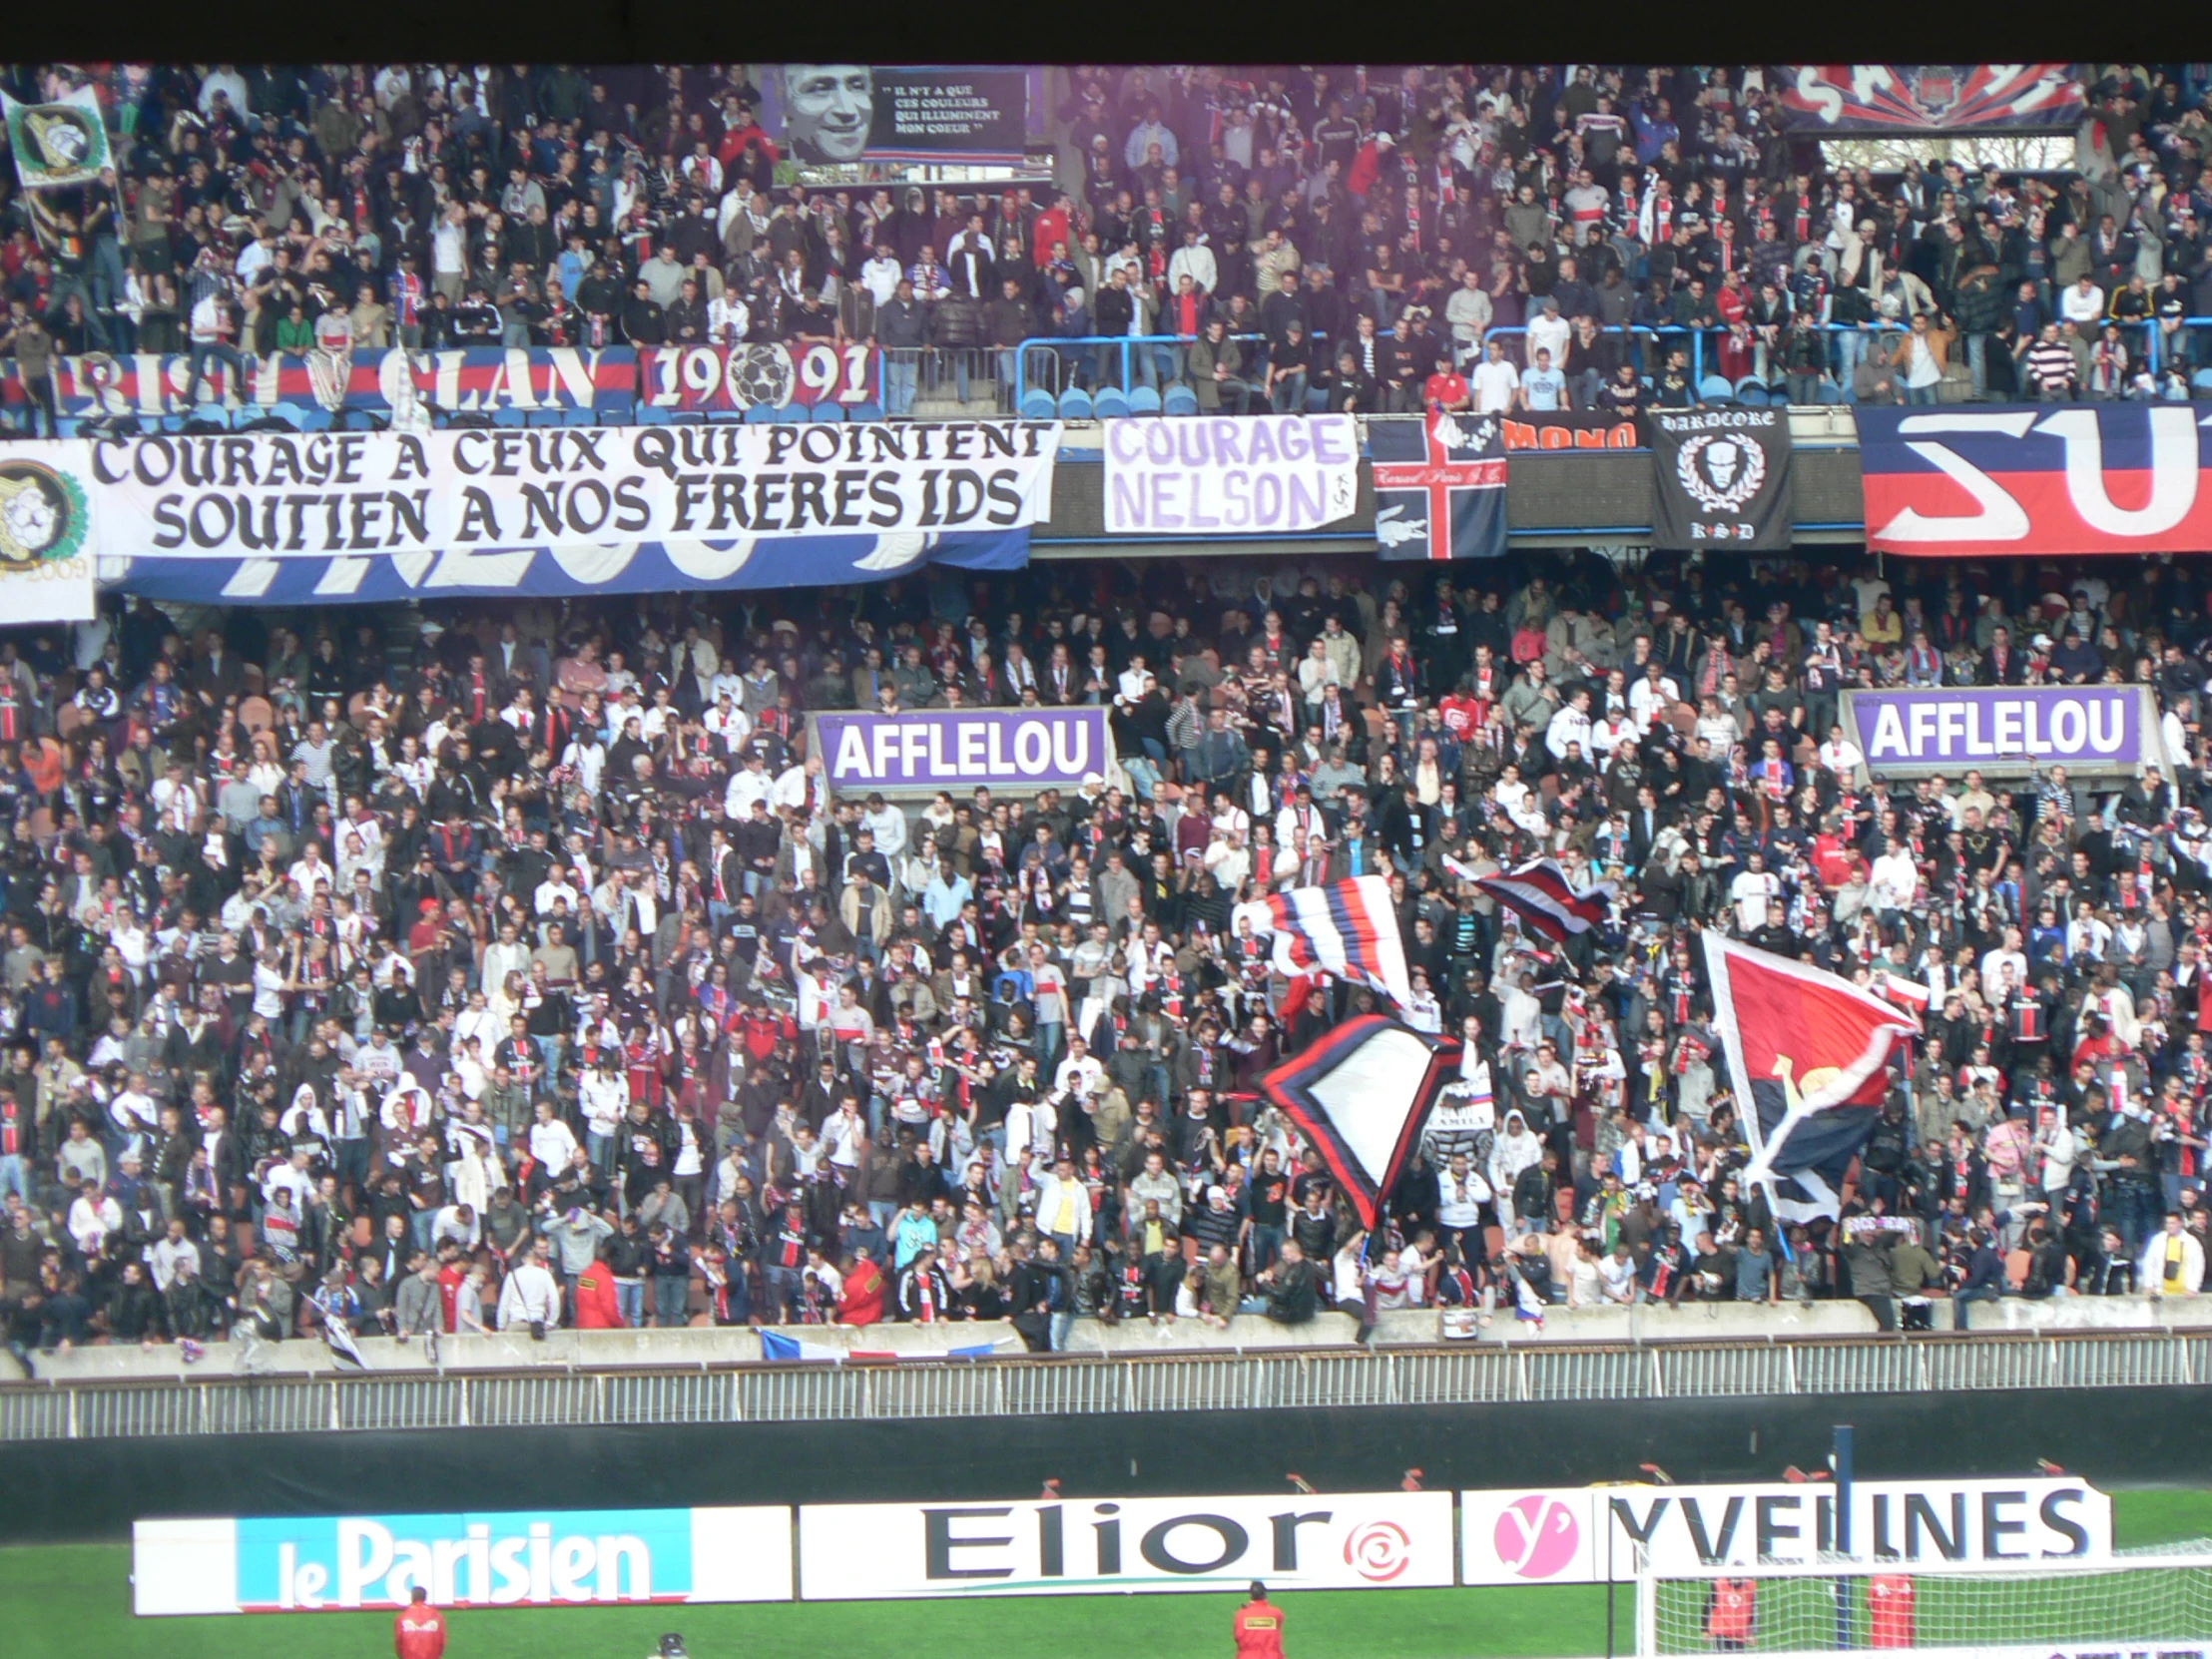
x=1063, y=1204
x=531, y=1294
x=2174, y=1263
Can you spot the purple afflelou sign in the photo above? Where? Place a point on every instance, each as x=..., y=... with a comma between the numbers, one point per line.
x=2005, y=727
x=1021, y=750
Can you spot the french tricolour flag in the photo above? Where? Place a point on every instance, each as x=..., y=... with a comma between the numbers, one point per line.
x=1542, y=895
x=775, y=1346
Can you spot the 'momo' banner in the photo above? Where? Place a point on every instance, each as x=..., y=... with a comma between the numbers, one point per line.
x=1587, y=1534
x=534, y=1558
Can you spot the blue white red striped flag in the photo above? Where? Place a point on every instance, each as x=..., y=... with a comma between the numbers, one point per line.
x=1542, y=895
x=1347, y=929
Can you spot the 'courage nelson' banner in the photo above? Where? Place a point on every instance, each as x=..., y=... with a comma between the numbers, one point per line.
x=2080, y=478
x=283, y=495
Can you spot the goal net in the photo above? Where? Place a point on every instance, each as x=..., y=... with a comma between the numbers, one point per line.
x=2148, y=1604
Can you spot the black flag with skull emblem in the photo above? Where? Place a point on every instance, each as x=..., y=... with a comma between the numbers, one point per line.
x=1723, y=479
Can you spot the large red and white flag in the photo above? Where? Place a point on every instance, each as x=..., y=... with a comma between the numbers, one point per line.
x=1807, y=1054
x=1347, y=929
x=1542, y=895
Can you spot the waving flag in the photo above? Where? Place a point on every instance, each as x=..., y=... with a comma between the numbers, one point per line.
x=1542, y=895
x=1346, y=927
x=1808, y=1055
x=1361, y=1094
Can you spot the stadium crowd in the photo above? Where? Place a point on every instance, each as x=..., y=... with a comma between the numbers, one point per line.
x=513, y=966
x=1357, y=235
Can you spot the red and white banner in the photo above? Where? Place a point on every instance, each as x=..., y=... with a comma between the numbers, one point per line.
x=1933, y=97
x=2066, y=480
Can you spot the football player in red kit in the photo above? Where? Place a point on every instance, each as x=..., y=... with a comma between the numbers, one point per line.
x=1259, y=1626
x=419, y=1630
x=1889, y=1620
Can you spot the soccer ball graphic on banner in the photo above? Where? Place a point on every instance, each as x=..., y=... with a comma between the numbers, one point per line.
x=760, y=374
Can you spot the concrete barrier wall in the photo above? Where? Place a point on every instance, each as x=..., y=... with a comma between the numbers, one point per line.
x=738, y=1345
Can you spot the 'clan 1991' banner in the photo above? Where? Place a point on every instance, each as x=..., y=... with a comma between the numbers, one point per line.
x=58, y=145
x=1254, y=475
x=2086, y=478
x=276, y=495
x=1723, y=479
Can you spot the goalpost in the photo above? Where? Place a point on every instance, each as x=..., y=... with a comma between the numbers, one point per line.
x=2144, y=1604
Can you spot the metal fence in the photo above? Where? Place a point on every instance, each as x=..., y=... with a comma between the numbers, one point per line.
x=1077, y=1385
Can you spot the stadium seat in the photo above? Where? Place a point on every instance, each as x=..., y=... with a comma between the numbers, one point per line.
x=1714, y=389
x=865, y=411
x=1112, y=403
x=792, y=414
x=761, y=414
x=215, y=413
x=1831, y=393
x=314, y=418
x=1076, y=405
x=289, y=413
x=1752, y=393
x=2202, y=381
x=1179, y=400
x=827, y=411
x=508, y=417
x=579, y=417
x=687, y=417
x=649, y=415
x=541, y=417
x=1144, y=400
x=1038, y=404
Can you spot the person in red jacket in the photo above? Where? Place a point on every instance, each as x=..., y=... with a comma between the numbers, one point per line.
x=1889, y=1623
x=596, y=1307
x=861, y=1300
x=419, y=1630
x=1259, y=1626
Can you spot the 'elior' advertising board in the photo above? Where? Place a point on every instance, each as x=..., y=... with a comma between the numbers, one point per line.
x=1329, y=1542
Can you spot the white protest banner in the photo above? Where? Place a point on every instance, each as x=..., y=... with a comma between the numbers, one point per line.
x=1560, y=1535
x=1331, y=1541
x=278, y=494
x=1248, y=477
x=46, y=541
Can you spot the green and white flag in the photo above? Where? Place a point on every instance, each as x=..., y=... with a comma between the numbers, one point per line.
x=57, y=145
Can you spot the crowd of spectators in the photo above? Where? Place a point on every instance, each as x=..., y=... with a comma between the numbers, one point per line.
x=514, y=965
x=1351, y=232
